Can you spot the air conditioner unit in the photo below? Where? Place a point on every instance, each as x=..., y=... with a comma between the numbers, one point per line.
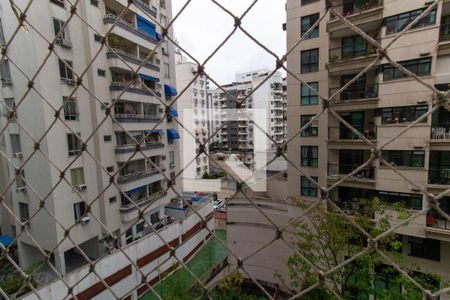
x=84, y=220
x=65, y=43
x=22, y=189
x=18, y=155
x=69, y=81
x=81, y=187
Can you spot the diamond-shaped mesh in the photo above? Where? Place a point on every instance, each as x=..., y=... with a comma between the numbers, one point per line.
x=76, y=14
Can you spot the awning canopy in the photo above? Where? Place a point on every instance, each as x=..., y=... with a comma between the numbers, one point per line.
x=139, y=189
x=6, y=240
x=173, y=112
x=172, y=134
x=160, y=131
x=170, y=90
x=148, y=78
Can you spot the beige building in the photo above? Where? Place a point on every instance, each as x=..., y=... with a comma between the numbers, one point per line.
x=380, y=104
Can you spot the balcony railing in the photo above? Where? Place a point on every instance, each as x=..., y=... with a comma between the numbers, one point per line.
x=349, y=52
x=133, y=88
x=342, y=170
x=440, y=131
x=117, y=53
x=136, y=118
x=111, y=19
x=368, y=91
x=125, y=208
x=435, y=220
x=343, y=133
x=148, y=8
x=445, y=32
x=132, y=147
x=439, y=175
x=353, y=7
x=138, y=174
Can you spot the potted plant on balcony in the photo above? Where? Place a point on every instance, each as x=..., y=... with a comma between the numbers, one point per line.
x=334, y=58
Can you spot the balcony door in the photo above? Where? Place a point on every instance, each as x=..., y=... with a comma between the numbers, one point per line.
x=353, y=46
x=355, y=119
x=356, y=90
x=349, y=160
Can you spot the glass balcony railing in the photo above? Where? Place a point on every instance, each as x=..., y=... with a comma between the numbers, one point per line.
x=440, y=131
x=368, y=91
x=343, y=133
x=439, y=175
x=343, y=169
x=352, y=7
x=351, y=51
x=445, y=32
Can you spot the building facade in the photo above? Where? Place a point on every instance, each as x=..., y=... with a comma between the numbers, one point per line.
x=268, y=95
x=379, y=105
x=87, y=198
x=194, y=99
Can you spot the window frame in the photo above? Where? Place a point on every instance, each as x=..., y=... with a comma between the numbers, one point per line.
x=413, y=65
x=16, y=144
x=65, y=70
x=311, y=19
x=408, y=18
x=431, y=248
x=309, y=156
x=73, y=142
x=403, y=114
x=24, y=211
x=307, y=187
x=307, y=62
x=77, y=176
x=312, y=130
x=311, y=97
x=405, y=158
x=70, y=109
x=57, y=25
x=79, y=210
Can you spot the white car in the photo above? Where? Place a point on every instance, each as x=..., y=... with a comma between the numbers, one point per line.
x=219, y=205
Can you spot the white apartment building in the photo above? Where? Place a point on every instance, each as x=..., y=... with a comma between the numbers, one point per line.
x=380, y=104
x=112, y=148
x=238, y=135
x=194, y=99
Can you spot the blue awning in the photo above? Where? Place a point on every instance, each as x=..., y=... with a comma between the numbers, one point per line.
x=160, y=131
x=170, y=90
x=6, y=240
x=146, y=26
x=173, y=112
x=172, y=134
x=141, y=188
x=148, y=77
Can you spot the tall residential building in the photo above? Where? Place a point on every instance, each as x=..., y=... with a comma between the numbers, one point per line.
x=379, y=104
x=238, y=135
x=110, y=144
x=194, y=99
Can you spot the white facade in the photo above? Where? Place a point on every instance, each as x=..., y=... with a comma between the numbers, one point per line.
x=194, y=99
x=267, y=95
x=110, y=149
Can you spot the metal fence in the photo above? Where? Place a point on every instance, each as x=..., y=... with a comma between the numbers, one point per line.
x=440, y=100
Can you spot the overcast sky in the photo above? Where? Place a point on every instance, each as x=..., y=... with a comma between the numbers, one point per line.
x=203, y=26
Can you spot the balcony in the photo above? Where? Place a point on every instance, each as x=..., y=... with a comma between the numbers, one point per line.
x=355, y=93
x=368, y=15
x=129, y=118
x=338, y=171
x=439, y=175
x=129, y=57
x=126, y=148
x=344, y=59
x=121, y=23
x=136, y=88
x=129, y=211
x=440, y=132
x=146, y=7
x=139, y=174
x=340, y=137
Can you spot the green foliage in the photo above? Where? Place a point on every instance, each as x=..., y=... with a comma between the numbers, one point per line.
x=231, y=288
x=326, y=239
x=214, y=176
x=14, y=283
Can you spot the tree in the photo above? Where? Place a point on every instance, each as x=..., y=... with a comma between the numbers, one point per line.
x=326, y=238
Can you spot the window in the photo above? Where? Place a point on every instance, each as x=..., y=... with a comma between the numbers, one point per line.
x=24, y=212
x=79, y=210
x=304, y=2
x=399, y=22
x=58, y=2
x=163, y=20
x=101, y=72
x=64, y=36
x=309, y=156
x=94, y=3
x=77, y=177
x=129, y=236
x=310, y=60
x=2, y=35
x=107, y=138
x=353, y=46
x=172, y=178
x=20, y=180
x=307, y=22
x=65, y=71
x=73, y=144
x=112, y=200
x=309, y=96
x=405, y=158
x=311, y=130
x=424, y=248
x=140, y=227
x=171, y=157
x=11, y=105
x=403, y=114
x=166, y=70
x=110, y=169
x=420, y=67
x=411, y=201
x=97, y=38
x=154, y=218
x=16, y=146
x=308, y=188
x=5, y=72
x=70, y=109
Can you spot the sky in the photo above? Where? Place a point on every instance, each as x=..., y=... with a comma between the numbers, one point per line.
x=202, y=26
